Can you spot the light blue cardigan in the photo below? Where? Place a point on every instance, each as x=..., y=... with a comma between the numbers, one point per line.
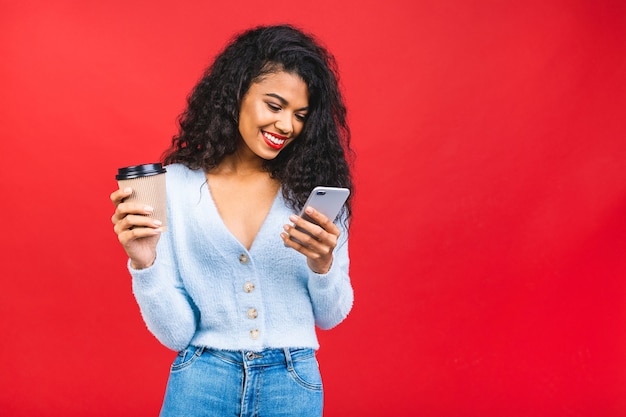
x=206, y=289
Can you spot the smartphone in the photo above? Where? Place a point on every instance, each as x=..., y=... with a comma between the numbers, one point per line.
x=326, y=200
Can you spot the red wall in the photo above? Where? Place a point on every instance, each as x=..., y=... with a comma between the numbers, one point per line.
x=489, y=237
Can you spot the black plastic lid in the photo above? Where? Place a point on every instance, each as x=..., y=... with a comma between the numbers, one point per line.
x=138, y=171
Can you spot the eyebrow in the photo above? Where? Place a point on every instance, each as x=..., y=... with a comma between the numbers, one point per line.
x=283, y=101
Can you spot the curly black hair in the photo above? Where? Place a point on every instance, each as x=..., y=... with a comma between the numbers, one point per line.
x=321, y=154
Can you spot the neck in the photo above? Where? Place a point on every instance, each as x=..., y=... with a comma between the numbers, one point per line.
x=240, y=163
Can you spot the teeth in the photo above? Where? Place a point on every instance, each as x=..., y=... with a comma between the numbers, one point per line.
x=273, y=139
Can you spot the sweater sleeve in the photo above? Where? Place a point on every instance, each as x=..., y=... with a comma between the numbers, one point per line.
x=167, y=309
x=331, y=293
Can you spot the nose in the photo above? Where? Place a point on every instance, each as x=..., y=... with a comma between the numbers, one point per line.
x=283, y=124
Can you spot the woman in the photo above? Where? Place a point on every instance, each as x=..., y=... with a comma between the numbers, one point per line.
x=232, y=285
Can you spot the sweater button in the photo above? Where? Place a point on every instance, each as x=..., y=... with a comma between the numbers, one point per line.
x=252, y=313
x=248, y=287
x=254, y=334
x=243, y=259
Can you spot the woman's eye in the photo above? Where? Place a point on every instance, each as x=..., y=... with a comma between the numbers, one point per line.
x=301, y=117
x=273, y=107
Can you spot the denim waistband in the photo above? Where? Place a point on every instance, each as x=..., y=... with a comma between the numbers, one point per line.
x=266, y=357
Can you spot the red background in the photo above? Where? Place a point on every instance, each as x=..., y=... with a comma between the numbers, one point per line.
x=489, y=237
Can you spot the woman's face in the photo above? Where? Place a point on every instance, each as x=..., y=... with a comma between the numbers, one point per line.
x=272, y=113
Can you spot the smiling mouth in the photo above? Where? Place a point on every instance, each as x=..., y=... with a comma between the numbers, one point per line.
x=274, y=141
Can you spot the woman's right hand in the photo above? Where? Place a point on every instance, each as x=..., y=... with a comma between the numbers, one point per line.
x=137, y=232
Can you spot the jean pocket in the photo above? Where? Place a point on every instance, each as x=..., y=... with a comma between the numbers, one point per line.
x=305, y=372
x=185, y=358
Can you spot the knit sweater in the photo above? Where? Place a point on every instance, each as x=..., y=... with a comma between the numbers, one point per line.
x=206, y=289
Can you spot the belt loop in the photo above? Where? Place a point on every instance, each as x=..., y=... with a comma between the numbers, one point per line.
x=288, y=359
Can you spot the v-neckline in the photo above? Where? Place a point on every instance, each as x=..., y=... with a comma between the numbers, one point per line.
x=213, y=206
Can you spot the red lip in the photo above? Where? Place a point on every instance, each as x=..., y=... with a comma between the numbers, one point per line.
x=272, y=144
x=276, y=135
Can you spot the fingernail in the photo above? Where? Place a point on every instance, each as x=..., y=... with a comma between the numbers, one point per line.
x=286, y=227
x=128, y=190
x=157, y=222
x=309, y=210
x=149, y=209
x=293, y=218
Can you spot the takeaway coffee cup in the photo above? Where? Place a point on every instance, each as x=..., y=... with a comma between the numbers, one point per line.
x=148, y=184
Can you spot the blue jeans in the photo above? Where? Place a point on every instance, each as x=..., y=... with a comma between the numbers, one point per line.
x=270, y=383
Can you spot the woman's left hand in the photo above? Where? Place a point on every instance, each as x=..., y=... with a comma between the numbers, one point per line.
x=319, y=241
